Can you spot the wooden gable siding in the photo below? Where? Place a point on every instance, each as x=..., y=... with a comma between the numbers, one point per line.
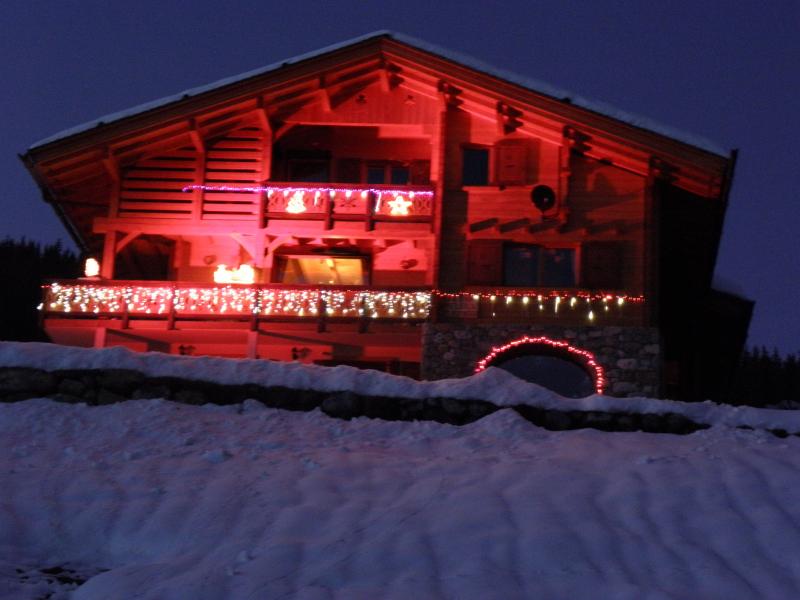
x=153, y=188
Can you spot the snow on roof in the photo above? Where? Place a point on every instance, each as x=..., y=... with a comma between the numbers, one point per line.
x=467, y=61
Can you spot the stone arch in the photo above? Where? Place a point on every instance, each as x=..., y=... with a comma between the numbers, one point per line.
x=544, y=346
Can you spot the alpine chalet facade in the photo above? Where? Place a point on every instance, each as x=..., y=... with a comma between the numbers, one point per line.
x=384, y=205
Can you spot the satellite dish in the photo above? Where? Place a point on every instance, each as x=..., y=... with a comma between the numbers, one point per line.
x=543, y=197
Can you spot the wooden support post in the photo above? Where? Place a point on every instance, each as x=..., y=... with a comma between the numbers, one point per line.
x=109, y=255
x=266, y=160
x=322, y=314
x=100, y=337
x=369, y=224
x=363, y=322
x=329, y=205
x=113, y=170
x=171, y=314
x=125, y=313
x=200, y=170
x=252, y=344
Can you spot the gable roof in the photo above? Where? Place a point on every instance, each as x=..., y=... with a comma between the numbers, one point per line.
x=460, y=59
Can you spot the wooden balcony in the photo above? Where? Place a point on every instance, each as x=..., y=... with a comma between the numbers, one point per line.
x=327, y=202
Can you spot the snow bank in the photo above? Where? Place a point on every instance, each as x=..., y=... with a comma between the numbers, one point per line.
x=493, y=385
x=162, y=501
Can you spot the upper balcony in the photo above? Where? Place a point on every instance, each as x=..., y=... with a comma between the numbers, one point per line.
x=282, y=201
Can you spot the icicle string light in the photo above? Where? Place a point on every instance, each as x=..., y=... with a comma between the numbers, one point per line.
x=584, y=357
x=257, y=300
x=237, y=300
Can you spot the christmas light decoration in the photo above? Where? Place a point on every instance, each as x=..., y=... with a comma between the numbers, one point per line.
x=299, y=199
x=296, y=203
x=399, y=206
x=299, y=302
x=291, y=189
x=91, y=268
x=241, y=274
x=236, y=300
x=584, y=357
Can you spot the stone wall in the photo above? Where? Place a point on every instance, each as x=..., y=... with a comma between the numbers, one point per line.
x=630, y=356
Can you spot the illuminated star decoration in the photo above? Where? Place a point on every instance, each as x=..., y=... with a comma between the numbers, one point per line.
x=399, y=206
x=296, y=203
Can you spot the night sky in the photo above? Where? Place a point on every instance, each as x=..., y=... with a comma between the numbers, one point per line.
x=726, y=71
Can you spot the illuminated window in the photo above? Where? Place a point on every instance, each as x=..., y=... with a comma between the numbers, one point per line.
x=320, y=270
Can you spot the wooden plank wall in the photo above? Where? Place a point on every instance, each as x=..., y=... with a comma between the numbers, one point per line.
x=153, y=188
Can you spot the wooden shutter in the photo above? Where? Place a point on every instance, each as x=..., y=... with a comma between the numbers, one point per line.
x=511, y=164
x=485, y=262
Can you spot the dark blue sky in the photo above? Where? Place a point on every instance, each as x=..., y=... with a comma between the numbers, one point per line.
x=728, y=71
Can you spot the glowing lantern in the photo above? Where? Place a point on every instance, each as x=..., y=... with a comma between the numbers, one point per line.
x=91, y=268
x=241, y=274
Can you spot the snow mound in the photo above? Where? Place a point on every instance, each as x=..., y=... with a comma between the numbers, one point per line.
x=223, y=504
x=493, y=385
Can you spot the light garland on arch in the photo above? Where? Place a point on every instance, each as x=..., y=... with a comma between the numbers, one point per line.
x=583, y=356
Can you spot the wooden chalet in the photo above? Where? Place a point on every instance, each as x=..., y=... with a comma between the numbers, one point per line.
x=381, y=203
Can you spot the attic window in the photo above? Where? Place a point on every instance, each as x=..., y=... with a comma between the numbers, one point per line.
x=474, y=166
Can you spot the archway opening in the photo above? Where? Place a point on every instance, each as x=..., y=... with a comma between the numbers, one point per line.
x=556, y=365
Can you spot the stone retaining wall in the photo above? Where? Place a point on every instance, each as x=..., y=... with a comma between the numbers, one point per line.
x=630, y=356
x=107, y=386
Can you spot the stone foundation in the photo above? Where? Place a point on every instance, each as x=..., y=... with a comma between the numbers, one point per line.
x=630, y=356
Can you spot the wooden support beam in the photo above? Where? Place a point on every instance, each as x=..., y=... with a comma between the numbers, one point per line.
x=369, y=223
x=100, y=337
x=252, y=343
x=199, y=171
x=324, y=94
x=248, y=245
x=127, y=240
x=109, y=255
x=112, y=168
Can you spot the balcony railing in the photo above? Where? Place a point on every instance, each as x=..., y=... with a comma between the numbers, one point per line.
x=328, y=202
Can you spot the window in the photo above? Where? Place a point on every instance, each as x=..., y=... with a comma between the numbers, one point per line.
x=527, y=265
x=320, y=270
x=309, y=170
x=387, y=172
x=474, y=166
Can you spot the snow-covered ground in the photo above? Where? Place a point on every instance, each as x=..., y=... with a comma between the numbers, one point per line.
x=151, y=499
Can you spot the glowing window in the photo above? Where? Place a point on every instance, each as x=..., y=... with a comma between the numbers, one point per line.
x=321, y=270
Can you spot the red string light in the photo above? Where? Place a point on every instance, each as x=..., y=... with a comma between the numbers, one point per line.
x=584, y=356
